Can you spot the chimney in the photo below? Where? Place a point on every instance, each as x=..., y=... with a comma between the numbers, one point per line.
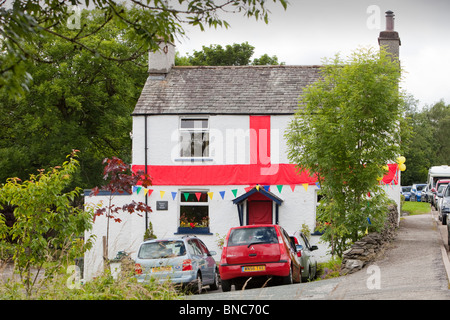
x=389, y=38
x=161, y=61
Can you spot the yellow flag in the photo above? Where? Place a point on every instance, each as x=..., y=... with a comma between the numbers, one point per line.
x=162, y=194
x=210, y=194
x=305, y=185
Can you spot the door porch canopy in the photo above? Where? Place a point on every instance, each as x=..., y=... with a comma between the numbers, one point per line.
x=262, y=193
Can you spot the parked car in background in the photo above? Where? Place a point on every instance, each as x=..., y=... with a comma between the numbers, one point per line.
x=406, y=192
x=416, y=191
x=186, y=261
x=424, y=197
x=259, y=251
x=444, y=208
x=430, y=193
x=307, y=259
x=439, y=196
x=435, y=191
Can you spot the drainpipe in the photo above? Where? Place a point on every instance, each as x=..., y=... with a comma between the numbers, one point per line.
x=145, y=167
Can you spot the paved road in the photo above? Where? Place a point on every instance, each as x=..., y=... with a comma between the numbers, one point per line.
x=414, y=267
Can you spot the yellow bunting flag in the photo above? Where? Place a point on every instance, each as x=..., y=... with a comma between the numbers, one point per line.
x=161, y=193
x=305, y=185
x=210, y=194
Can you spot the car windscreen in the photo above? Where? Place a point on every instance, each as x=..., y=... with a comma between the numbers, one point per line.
x=162, y=249
x=247, y=236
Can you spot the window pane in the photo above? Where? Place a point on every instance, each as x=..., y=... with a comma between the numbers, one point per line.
x=192, y=196
x=246, y=236
x=194, y=216
x=194, y=144
x=194, y=123
x=162, y=249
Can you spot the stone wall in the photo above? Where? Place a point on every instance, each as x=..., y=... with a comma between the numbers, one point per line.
x=368, y=248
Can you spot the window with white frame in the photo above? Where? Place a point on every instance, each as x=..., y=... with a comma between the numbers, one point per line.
x=194, y=138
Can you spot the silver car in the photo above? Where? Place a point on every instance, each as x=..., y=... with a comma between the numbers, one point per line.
x=307, y=258
x=186, y=261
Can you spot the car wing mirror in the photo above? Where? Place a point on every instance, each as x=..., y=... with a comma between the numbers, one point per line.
x=314, y=248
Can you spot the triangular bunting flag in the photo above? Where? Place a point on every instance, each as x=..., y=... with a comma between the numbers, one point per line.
x=234, y=192
x=138, y=190
x=257, y=187
x=210, y=194
x=222, y=194
x=305, y=185
x=198, y=195
x=145, y=191
x=186, y=195
x=161, y=193
x=292, y=187
x=318, y=185
x=174, y=194
x=149, y=192
x=267, y=188
x=279, y=187
x=134, y=189
x=248, y=189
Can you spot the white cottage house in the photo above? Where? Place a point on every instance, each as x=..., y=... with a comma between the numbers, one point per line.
x=212, y=139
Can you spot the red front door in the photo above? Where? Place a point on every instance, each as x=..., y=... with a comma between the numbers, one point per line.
x=259, y=212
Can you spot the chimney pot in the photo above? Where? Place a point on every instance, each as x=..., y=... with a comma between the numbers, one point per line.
x=390, y=38
x=390, y=20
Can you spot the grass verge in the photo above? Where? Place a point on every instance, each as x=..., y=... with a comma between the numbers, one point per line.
x=413, y=208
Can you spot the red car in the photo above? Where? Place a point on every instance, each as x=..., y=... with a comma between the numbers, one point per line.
x=263, y=250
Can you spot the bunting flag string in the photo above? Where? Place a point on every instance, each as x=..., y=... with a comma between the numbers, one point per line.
x=147, y=192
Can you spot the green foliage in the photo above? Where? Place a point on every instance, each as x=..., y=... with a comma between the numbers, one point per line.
x=47, y=226
x=345, y=131
x=76, y=101
x=103, y=287
x=231, y=55
x=147, y=23
x=329, y=269
x=429, y=144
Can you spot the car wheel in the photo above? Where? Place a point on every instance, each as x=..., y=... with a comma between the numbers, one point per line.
x=197, y=284
x=226, y=285
x=444, y=219
x=215, y=284
x=288, y=279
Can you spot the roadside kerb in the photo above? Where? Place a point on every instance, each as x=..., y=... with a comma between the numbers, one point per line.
x=444, y=244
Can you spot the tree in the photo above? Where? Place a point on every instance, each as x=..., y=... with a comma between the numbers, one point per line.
x=231, y=55
x=344, y=132
x=428, y=145
x=119, y=180
x=47, y=227
x=150, y=22
x=76, y=101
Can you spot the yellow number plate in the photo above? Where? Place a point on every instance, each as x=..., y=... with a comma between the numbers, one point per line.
x=162, y=269
x=253, y=268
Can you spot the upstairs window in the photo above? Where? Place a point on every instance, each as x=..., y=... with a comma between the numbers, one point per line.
x=194, y=138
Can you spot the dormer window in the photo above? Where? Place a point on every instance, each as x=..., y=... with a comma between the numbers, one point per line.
x=194, y=138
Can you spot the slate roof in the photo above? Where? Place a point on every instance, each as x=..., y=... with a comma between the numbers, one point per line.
x=226, y=90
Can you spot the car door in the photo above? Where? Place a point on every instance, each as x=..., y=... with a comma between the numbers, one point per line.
x=209, y=263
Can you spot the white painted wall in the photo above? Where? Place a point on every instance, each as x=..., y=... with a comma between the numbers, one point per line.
x=298, y=207
x=228, y=135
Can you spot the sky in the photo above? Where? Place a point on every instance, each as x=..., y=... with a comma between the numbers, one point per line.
x=309, y=31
